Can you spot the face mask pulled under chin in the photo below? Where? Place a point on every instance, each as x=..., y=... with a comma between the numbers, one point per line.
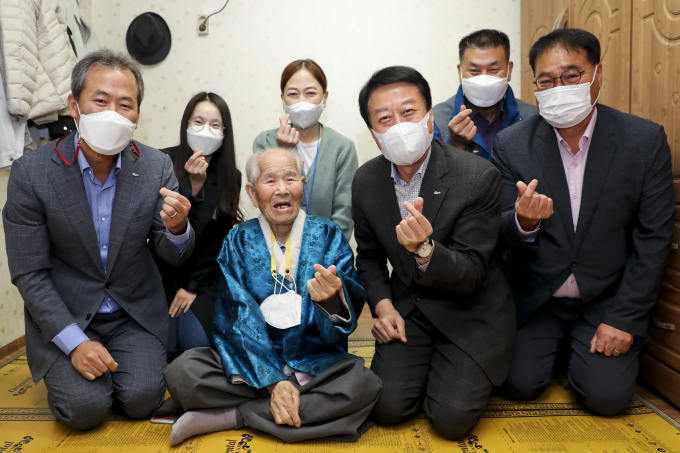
x=304, y=114
x=484, y=90
x=566, y=106
x=204, y=140
x=107, y=132
x=405, y=143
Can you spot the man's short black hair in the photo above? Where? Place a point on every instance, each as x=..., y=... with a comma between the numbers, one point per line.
x=569, y=38
x=388, y=76
x=484, y=39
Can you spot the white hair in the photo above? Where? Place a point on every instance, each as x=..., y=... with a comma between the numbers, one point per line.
x=253, y=164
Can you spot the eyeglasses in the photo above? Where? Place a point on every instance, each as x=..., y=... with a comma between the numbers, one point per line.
x=568, y=77
x=197, y=124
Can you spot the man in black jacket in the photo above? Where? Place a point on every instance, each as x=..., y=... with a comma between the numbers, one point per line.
x=446, y=320
x=591, y=271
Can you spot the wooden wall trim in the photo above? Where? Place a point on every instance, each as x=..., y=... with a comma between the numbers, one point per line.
x=12, y=346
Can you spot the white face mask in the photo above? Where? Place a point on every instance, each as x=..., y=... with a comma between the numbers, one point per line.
x=405, y=143
x=566, y=106
x=304, y=114
x=107, y=132
x=484, y=90
x=202, y=138
x=283, y=311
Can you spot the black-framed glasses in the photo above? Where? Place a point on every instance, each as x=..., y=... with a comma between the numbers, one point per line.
x=568, y=77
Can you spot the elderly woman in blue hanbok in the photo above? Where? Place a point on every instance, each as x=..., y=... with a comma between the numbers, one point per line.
x=290, y=295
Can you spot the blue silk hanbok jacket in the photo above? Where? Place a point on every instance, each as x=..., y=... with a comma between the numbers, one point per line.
x=258, y=352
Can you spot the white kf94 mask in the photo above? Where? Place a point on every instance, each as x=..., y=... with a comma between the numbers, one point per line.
x=484, y=90
x=282, y=311
x=203, y=139
x=304, y=114
x=405, y=143
x=107, y=132
x=566, y=106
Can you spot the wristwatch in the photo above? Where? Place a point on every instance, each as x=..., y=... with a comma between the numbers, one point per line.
x=424, y=250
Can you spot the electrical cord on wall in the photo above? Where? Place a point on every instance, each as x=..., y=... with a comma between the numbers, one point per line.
x=202, y=27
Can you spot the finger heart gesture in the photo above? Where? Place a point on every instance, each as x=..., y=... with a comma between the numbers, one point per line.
x=325, y=285
x=287, y=136
x=414, y=229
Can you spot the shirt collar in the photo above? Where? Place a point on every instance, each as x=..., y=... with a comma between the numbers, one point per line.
x=586, y=135
x=421, y=170
x=85, y=165
x=501, y=111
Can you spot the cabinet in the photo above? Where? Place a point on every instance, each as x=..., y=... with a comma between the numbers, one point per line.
x=655, y=92
x=538, y=17
x=640, y=42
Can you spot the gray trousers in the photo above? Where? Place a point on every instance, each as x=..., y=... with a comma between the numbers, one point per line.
x=137, y=385
x=429, y=372
x=334, y=405
x=604, y=385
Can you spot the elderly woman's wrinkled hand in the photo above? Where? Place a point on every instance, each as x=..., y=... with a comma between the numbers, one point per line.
x=325, y=285
x=284, y=403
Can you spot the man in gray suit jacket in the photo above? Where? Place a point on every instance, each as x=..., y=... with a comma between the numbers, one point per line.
x=77, y=220
x=446, y=320
x=590, y=272
x=484, y=104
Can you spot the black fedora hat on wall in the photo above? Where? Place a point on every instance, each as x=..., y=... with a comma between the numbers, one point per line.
x=148, y=38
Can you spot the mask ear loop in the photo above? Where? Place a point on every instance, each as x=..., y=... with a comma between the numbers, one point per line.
x=282, y=283
x=294, y=284
x=276, y=281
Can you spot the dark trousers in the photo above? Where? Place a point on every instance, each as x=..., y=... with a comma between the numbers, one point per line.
x=604, y=385
x=137, y=385
x=334, y=405
x=186, y=332
x=432, y=373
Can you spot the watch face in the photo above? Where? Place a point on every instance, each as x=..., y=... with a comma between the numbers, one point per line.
x=425, y=250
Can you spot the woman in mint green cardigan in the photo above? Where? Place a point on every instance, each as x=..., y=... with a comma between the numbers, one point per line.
x=330, y=159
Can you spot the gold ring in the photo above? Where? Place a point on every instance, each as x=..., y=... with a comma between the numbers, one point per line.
x=173, y=216
x=617, y=351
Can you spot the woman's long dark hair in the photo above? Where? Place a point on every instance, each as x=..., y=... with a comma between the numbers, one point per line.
x=224, y=159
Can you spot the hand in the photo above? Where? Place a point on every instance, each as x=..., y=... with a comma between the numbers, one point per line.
x=390, y=325
x=91, y=359
x=414, y=229
x=175, y=211
x=197, y=167
x=462, y=129
x=531, y=207
x=284, y=403
x=287, y=136
x=610, y=341
x=182, y=301
x=325, y=285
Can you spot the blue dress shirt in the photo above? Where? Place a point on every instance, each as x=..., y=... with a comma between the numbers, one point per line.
x=100, y=197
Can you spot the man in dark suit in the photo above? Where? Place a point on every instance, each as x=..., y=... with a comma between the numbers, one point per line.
x=484, y=104
x=591, y=271
x=77, y=220
x=445, y=314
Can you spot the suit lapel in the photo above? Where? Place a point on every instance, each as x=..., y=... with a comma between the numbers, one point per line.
x=127, y=195
x=434, y=189
x=67, y=181
x=385, y=185
x=548, y=153
x=600, y=154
